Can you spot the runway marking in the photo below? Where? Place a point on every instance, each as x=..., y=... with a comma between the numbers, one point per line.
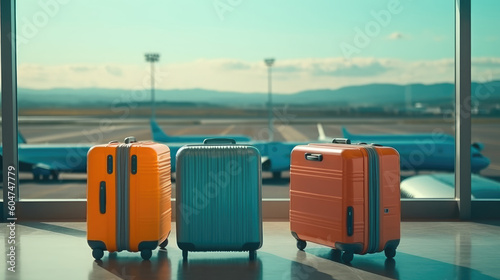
x=226, y=131
x=88, y=135
x=83, y=132
x=380, y=130
x=182, y=131
x=291, y=134
x=337, y=129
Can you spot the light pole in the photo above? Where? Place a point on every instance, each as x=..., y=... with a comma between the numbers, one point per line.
x=269, y=62
x=152, y=57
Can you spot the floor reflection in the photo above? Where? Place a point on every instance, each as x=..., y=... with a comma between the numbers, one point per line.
x=428, y=250
x=240, y=268
x=267, y=266
x=405, y=266
x=132, y=267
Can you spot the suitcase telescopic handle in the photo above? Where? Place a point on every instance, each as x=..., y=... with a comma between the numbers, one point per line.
x=219, y=141
x=314, y=157
x=341, y=141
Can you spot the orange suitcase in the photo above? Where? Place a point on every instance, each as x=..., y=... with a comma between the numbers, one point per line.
x=128, y=197
x=346, y=197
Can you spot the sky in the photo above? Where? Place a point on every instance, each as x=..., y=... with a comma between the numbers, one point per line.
x=221, y=44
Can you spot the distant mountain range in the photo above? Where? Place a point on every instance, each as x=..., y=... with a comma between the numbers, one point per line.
x=371, y=95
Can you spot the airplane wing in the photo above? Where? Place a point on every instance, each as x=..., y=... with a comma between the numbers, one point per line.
x=441, y=185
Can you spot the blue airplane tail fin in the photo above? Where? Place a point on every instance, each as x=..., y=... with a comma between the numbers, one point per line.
x=157, y=133
x=345, y=133
x=20, y=138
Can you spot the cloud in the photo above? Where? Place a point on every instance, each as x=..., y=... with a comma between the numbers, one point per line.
x=396, y=36
x=289, y=75
x=114, y=70
x=351, y=69
x=80, y=68
x=235, y=66
x=485, y=69
x=490, y=62
x=287, y=69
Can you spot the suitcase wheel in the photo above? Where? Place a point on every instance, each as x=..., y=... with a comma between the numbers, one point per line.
x=390, y=252
x=146, y=254
x=252, y=255
x=347, y=257
x=97, y=254
x=164, y=244
x=184, y=255
x=336, y=255
x=301, y=244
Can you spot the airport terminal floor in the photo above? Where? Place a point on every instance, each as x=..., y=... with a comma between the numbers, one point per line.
x=428, y=250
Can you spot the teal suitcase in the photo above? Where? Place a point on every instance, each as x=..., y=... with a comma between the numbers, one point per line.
x=218, y=197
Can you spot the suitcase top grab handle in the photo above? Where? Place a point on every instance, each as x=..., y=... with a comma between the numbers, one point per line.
x=219, y=141
x=341, y=141
x=313, y=157
x=129, y=140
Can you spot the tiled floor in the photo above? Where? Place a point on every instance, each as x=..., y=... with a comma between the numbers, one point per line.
x=428, y=250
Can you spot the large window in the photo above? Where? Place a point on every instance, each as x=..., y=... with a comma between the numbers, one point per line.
x=1, y=183
x=359, y=69
x=485, y=102
x=374, y=72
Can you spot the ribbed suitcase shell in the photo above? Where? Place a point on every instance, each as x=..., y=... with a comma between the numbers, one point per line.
x=218, y=198
x=149, y=197
x=321, y=192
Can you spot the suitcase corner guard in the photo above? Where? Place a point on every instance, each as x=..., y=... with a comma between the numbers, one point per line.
x=148, y=245
x=251, y=246
x=95, y=244
x=186, y=246
x=392, y=244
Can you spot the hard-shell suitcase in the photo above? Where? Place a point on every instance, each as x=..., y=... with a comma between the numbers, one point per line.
x=218, y=197
x=128, y=197
x=346, y=196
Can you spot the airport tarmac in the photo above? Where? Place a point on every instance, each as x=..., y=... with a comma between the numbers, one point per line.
x=104, y=130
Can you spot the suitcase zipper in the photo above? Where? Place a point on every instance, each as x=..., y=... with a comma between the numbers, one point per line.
x=373, y=199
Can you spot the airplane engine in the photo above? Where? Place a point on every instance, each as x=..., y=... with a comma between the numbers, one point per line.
x=478, y=146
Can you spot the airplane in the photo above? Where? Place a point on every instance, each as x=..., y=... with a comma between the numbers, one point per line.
x=398, y=137
x=420, y=152
x=375, y=138
x=46, y=161
x=442, y=185
x=415, y=155
x=160, y=136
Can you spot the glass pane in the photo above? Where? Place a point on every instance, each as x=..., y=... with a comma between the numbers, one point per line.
x=366, y=67
x=485, y=105
x=1, y=183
